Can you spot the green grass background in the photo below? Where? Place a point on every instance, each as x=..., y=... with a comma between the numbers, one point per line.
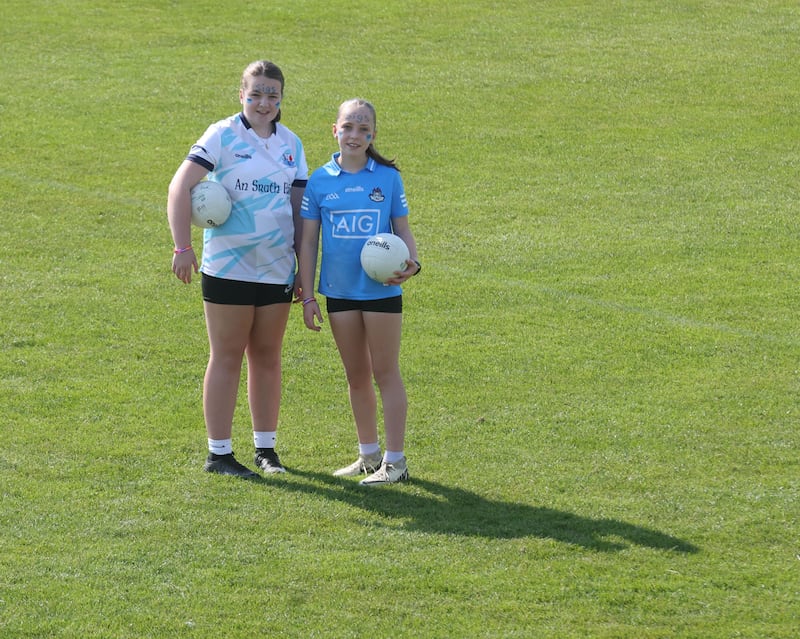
x=601, y=353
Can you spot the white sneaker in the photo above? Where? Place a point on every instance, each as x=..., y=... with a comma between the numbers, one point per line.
x=364, y=465
x=388, y=474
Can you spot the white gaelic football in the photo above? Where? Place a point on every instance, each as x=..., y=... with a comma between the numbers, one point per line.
x=211, y=204
x=382, y=255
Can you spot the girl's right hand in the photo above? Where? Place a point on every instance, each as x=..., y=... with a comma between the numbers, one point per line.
x=183, y=264
x=311, y=312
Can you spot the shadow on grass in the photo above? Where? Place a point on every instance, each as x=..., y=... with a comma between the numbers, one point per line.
x=430, y=507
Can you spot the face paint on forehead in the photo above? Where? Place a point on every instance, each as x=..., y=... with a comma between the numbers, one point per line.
x=263, y=87
x=359, y=117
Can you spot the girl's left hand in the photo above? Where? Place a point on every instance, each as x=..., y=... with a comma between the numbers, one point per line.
x=412, y=268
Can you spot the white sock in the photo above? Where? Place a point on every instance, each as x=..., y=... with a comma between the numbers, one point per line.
x=369, y=449
x=392, y=456
x=264, y=439
x=220, y=446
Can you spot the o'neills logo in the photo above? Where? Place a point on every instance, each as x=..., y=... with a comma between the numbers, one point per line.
x=380, y=244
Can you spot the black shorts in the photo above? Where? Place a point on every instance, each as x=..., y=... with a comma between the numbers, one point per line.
x=385, y=305
x=221, y=291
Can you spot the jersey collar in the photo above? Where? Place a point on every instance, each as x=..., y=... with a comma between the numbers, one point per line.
x=249, y=127
x=335, y=169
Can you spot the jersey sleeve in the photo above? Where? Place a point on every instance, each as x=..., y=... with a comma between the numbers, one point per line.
x=206, y=151
x=301, y=178
x=399, y=202
x=309, y=208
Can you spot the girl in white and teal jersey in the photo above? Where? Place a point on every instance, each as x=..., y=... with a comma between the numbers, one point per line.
x=248, y=265
x=359, y=193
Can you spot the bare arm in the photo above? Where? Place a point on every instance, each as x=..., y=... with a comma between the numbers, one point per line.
x=309, y=249
x=296, y=199
x=179, y=215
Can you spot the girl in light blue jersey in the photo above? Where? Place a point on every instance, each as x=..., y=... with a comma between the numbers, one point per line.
x=357, y=194
x=248, y=266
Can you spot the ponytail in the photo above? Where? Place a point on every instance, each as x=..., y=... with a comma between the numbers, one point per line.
x=373, y=153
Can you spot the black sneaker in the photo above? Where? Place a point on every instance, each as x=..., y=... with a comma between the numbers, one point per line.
x=226, y=465
x=268, y=461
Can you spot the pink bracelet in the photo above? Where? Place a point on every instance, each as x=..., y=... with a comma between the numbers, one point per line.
x=178, y=251
x=308, y=300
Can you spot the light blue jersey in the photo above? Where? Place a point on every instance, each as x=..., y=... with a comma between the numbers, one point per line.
x=351, y=207
x=256, y=243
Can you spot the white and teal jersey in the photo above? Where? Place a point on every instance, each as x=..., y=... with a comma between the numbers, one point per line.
x=256, y=243
x=351, y=207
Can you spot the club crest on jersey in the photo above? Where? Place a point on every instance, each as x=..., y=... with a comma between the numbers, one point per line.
x=377, y=195
x=288, y=159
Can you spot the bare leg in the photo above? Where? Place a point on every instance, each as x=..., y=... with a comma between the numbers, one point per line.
x=351, y=340
x=383, y=336
x=228, y=330
x=264, y=365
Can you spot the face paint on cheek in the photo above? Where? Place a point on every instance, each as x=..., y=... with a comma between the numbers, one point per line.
x=369, y=137
x=249, y=100
x=277, y=105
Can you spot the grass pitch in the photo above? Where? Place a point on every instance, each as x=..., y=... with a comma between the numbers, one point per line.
x=601, y=353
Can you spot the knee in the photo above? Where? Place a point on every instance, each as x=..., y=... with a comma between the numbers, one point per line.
x=388, y=377
x=264, y=359
x=227, y=356
x=359, y=381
